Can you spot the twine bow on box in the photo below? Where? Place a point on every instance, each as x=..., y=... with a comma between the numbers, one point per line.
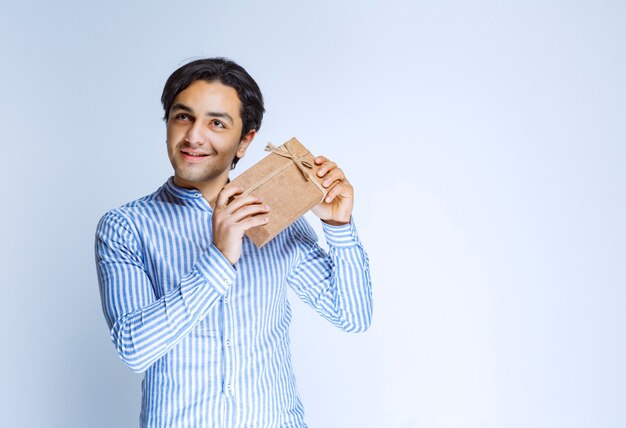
x=303, y=165
x=288, y=153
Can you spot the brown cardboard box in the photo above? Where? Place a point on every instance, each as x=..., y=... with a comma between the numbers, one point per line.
x=286, y=179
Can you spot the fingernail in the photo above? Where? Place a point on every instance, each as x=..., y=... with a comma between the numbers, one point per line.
x=326, y=182
x=328, y=199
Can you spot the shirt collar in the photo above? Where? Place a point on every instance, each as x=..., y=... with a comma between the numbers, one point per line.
x=180, y=192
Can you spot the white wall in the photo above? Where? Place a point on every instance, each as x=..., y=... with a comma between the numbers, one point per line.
x=487, y=144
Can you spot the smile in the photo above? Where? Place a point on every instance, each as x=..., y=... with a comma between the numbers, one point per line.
x=194, y=155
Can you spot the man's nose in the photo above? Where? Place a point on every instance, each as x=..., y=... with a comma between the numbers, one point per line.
x=194, y=134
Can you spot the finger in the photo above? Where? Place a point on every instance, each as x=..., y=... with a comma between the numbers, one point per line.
x=249, y=211
x=343, y=189
x=333, y=176
x=325, y=168
x=226, y=193
x=241, y=201
x=257, y=220
x=320, y=160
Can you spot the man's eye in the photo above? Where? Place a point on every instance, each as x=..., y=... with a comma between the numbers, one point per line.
x=182, y=116
x=218, y=123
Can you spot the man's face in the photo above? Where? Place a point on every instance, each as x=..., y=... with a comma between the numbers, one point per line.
x=204, y=133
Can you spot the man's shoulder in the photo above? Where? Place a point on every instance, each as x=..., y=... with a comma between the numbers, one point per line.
x=138, y=207
x=141, y=203
x=151, y=200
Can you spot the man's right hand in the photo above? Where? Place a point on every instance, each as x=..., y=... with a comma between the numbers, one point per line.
x=232, y=219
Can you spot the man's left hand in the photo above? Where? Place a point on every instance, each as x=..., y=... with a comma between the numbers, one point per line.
x=336, y=208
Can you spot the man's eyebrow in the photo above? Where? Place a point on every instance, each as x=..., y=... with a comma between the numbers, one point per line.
x=221, y=115
x=183, y=107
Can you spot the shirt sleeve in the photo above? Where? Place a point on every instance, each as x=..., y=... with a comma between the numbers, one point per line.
x=144, y=328
x=336, y=284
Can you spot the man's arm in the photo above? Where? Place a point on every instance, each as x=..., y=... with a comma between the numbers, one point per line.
x=144, y=328
x=337, y=285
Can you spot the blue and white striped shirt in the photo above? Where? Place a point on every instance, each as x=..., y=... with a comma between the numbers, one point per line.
x=212, y=337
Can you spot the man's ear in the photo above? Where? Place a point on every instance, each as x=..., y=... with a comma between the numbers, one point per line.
x=245, y=142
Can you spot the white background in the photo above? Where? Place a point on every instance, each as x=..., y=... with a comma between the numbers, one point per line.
x=487, y=144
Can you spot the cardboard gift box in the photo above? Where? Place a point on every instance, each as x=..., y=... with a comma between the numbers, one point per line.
x=287, y=181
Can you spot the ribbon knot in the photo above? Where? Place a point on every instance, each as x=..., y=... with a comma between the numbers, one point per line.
x=286, y=152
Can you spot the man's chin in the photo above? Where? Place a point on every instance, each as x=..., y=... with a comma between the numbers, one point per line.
x=194, y=177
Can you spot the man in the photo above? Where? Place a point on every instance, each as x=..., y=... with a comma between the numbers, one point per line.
x=189, y=299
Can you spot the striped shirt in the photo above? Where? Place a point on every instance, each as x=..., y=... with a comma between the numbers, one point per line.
x=211, y=337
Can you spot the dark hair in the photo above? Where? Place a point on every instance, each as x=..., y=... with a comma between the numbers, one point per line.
x=226, y=72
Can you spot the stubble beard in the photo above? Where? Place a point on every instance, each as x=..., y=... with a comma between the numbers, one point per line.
x=200, y=173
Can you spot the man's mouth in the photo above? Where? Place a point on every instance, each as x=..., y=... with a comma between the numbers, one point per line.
x=193, y=154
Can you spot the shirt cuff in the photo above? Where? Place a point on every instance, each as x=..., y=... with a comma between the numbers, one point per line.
x=341, y=236
x=216, y=269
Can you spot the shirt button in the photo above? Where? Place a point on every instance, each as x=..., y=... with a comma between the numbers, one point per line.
x=196, y=195
x=228, y=387
x=228, y=343
x=226, y=300
x=227, y=281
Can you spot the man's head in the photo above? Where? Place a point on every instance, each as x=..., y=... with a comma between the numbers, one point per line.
x=228, y=73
